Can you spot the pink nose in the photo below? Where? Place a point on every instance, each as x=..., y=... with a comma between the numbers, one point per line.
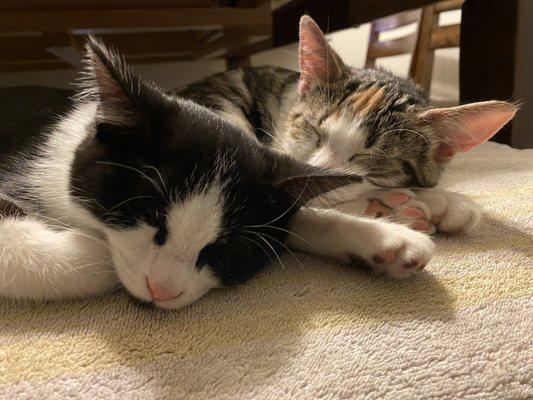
x=159, y=293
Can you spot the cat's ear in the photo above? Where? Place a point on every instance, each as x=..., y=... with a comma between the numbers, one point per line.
x=109, y=81
x=464, y=127
x=302, y=182
x=319, y=64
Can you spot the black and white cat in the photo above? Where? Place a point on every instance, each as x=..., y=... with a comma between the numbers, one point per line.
x=140, y=188
x=365, y=121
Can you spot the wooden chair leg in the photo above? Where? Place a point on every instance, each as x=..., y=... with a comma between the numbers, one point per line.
x=422, y=61
x=240, y=40
x=373, y=38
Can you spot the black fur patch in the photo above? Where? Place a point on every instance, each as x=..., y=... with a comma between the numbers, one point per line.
x=132, y=170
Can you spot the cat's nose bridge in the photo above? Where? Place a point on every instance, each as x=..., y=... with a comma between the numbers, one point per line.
x=325, y=158
x=332, y=164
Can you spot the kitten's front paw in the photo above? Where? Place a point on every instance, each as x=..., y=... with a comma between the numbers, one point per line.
x=425, y=210
x=397, y=250
x=399, y=205
x=450, y=212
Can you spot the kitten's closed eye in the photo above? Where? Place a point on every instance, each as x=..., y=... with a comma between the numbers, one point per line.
x=359, y=155
x=316, y=132
x=319, y=134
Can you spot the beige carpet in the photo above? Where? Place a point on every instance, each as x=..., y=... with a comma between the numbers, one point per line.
x=463, y=329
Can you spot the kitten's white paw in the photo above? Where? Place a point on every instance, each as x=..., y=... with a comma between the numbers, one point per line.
x=399, y=205
x=450, y=212
x=396, y=250
x=425, y=210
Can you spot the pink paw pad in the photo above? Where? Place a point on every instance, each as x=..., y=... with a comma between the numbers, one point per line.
x=423, y=226
x=387, y=256
x=413, y=212
x=411, y=265
x=398, y=198
x=436, y=219
x=377, y=209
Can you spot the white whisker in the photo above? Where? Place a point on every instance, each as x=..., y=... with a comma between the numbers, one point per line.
x=283, y=230
x=159, y=174
x=283, y=244
x=151, y=180
x=259, y=245
x=288, y=209
x=127, y=200
x=271, y=248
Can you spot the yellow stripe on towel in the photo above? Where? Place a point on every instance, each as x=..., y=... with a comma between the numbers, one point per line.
x=143, y=336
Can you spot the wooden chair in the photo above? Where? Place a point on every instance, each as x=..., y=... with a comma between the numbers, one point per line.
x=422, y=44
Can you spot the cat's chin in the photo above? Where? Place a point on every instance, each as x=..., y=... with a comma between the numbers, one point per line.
x=181, y=301
x=134, y=282
x=184, y=299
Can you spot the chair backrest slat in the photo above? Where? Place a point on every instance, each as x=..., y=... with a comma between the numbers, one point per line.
x=396, y=21
x=394, y=47
x=386, y=48
x=429, y=36
x=445, y=36
x=449, y=5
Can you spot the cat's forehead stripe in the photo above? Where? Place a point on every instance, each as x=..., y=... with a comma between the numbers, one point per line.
x=367, y=100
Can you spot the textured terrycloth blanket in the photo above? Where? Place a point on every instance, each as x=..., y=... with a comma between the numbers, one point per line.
x=313, y=329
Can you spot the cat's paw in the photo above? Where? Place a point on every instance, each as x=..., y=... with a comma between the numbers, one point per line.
x=396, y=250
x=450, y=212
x=399, y=205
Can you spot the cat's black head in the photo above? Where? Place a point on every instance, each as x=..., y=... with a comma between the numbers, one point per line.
x=187, y=200
x=372, y=122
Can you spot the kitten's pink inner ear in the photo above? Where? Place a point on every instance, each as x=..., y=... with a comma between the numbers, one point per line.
x=444, y=152
x=465, y=127
x=318, y=62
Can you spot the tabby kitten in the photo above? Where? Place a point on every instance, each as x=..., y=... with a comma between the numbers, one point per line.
x=367, y=121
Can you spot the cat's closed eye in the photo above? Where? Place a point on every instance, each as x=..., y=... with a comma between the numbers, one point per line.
x=160, y=236
x=206, y=254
